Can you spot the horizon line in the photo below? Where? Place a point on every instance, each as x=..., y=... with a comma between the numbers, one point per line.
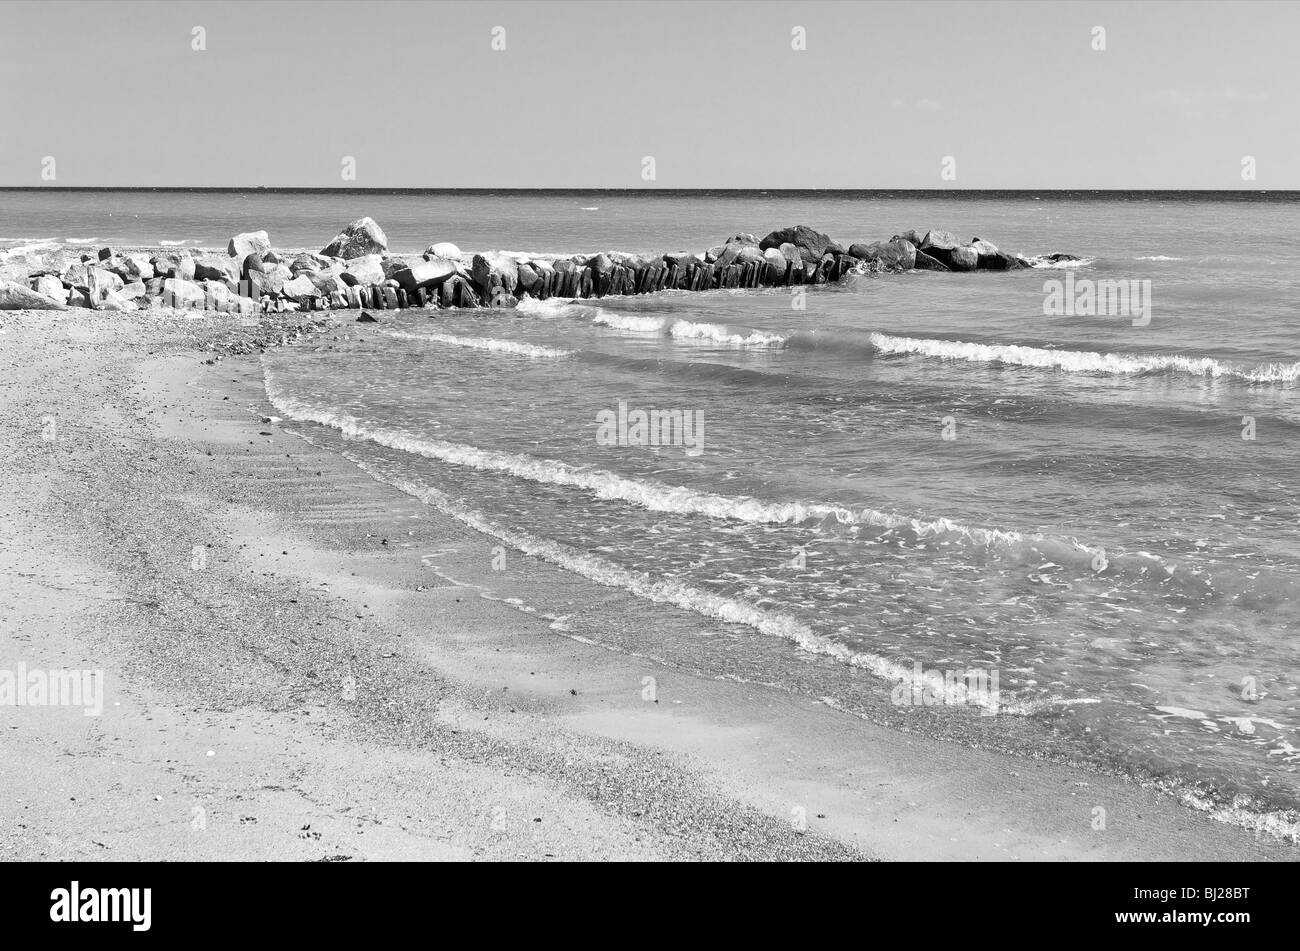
x=379, y=190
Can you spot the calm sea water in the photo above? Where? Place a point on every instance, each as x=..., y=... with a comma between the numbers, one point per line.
x=911, y=469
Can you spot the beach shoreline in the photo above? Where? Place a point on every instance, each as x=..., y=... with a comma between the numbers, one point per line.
x=359, y=706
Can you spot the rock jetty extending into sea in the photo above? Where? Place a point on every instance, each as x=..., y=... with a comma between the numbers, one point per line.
x=355, y=270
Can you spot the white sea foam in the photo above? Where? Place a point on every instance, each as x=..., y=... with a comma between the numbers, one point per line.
x=483, y=343
x=547, y=309
x=1156, y=257
x=1083, y=361
x=689, y=330
x=82, y=240
x=674, y=327
x=686, y=330
x=1042, y=264
x=24, y=249
x=648, y=494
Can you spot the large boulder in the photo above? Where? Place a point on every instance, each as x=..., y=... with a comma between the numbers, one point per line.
x=895, y=254
x=300, y=288
x=14, y=296
x=529, y=279
x=939, y=241
x=600, y=264
x=309, y=262
x=270, y=280
x=77, y=275
x=776, y=264
x=250, y=242
x=963, y=259
x=51, y=287
x=361, y=237
x=792, y=254
x=1001, y=261
x=486, y=268
x=100, y=282
x=135, y=267
x=366, y=269
x=812, y=244
x=981, y=246
x=443, y=249
x=113, y=300
x=426, y=274
x=214, y=269
x=926, y=263
x=178, y=292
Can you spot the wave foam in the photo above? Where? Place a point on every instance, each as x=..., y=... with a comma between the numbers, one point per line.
x=648, y=494
x=1082, y=361
x=483, y=343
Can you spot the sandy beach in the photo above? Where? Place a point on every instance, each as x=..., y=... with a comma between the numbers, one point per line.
x=287, y=679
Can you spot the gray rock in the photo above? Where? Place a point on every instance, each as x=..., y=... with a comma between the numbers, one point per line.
x=250, y=242
x=812, y=244
x=963, y=259
x=895, y=254
x=939, y=241
x=300, y=288
x=113, y=300
x=178, y=292
x=361, y=237
x=51, y=287
x=926, y=263
x=367, y=269
x=443, y=249
x=14, y=296
x=426, y=274
x=487, y=267
x=100, y=282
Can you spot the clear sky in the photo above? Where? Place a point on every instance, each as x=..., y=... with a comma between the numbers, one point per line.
x=416, y=95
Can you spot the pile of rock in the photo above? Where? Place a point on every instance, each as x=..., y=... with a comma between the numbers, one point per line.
x=356, y=270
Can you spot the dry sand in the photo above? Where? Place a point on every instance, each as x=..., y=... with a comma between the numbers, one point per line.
x=314, y=692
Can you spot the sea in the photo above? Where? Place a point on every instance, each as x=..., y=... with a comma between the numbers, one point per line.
x=945, y=503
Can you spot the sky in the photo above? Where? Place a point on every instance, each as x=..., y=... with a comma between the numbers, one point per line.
x=922, y=94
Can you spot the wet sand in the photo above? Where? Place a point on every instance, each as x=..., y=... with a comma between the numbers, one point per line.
x=312, y=690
